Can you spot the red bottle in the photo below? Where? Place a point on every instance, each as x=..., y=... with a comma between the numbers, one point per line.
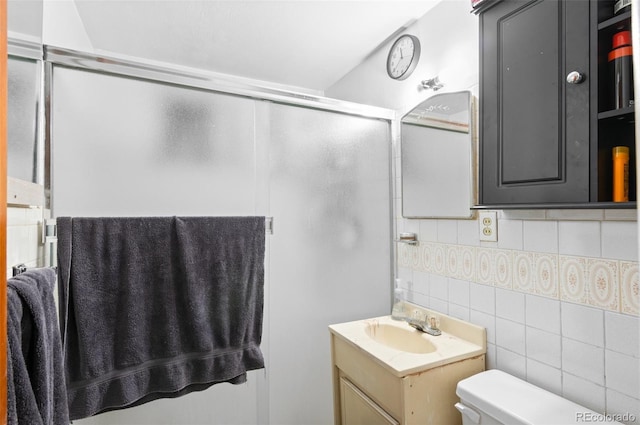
x=621, y=60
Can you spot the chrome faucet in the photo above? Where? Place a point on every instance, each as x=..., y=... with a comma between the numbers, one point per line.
x=428, y=325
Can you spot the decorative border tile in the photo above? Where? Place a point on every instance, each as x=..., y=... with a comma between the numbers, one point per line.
x=629, y=287
x=467, y=263
x=607, y=284
x=404, y=255
x=484, y=263
x=523, y=271
x=426, y=257
x=452, y=260
x=546, y=275
x=572, y=274
x=415, y=257
x=439, y=259
x=503, y=263
x=602, y=284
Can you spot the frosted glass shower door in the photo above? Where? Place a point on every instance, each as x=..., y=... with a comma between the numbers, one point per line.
x=124, y=146
x=329, y=194
x=127, y=147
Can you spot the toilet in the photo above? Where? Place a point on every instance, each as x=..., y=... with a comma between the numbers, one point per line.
x=494, y=397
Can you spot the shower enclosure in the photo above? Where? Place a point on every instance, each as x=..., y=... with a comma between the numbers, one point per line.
x=131, y=140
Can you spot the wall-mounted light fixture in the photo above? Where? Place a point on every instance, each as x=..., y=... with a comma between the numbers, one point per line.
x=432, y=83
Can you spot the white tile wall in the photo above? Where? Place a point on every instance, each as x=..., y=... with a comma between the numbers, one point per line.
x=483, y=298
x=468, y=232
x=447, y=231
x=622, y=333
x=510, y=362
x=459, y=292
x=488, y=321
x=510, y=336
x=23, y=237
x=584, y=360
x=428, y=230
x=544, y=347
x=544, y=376
x=559, y=295
x=617, y=403
x=459, y=312
x=510, y=236
x=622, y=373
x=539, y=236
x=583, y=392
x=543, y=313
x=579, y=238
x=491, y=359
x=582, y=323
x=510, y=305
x=439, y=287
x=619, y=240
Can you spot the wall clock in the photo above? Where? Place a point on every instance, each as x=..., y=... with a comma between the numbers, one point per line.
x=403, y=57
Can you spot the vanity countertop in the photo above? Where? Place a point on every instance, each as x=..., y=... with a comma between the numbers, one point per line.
x=404, y=350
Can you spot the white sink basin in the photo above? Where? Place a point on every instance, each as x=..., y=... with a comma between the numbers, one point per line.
x=399, y=338
x=404, y=350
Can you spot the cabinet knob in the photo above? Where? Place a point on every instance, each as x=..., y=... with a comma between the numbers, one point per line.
x=574, y=77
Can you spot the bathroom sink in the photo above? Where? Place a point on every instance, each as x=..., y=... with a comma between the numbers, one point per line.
x=399, y=338
x=387, y=372
x=404, y=350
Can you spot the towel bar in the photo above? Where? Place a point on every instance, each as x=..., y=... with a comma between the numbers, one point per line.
x=50, y=243
x=50, y=237
x=16, y=270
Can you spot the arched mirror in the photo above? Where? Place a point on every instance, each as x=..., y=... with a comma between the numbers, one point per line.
x=438, y=157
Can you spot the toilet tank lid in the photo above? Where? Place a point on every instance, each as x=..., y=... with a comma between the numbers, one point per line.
x=513, y=401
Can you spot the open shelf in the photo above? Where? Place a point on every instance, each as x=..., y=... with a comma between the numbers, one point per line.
x=622, y=21
x=612, y=126
x=627, y=114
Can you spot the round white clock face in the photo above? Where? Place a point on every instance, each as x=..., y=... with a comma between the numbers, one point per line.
x=403, y=57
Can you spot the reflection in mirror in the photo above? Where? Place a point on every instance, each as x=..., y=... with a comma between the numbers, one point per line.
x=438, y=157
x=22, y=142
x=25, y=156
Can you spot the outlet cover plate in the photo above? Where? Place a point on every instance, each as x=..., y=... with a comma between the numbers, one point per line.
x=488, y=225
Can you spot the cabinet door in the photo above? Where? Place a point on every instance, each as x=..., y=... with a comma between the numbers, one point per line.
x=535, y=125
x=358, y=409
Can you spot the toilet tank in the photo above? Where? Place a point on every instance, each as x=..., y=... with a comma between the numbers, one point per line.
x=494, y=397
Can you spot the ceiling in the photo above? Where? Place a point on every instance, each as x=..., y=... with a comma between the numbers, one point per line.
x=302, y=44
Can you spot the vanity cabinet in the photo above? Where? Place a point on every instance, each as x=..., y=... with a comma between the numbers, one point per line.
x=367, y=393
x=358, y=408
x=547, y=121
x=386, y=372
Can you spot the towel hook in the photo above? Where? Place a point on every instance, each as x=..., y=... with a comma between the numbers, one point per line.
x=269, y=225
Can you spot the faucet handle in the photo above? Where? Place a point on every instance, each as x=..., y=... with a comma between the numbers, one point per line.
x=432, y=321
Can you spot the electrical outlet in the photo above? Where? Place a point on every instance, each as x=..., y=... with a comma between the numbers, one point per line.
x=488, y=223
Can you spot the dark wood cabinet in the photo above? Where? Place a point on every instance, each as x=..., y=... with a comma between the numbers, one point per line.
x=545, y=141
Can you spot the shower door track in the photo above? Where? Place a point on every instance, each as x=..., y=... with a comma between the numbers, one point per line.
x=195, y=78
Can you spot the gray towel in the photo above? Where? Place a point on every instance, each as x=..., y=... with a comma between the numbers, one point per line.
x=36, y=382
x=156, y=307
